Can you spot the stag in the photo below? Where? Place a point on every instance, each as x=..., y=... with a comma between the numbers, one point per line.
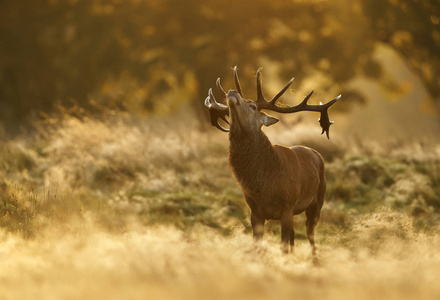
x=278, y=182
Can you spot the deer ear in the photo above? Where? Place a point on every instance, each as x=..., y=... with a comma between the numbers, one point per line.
x=267, y=120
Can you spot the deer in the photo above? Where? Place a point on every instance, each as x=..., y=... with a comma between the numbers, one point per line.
x=277, y=182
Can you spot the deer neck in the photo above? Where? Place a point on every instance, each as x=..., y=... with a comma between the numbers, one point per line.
x=251, y=157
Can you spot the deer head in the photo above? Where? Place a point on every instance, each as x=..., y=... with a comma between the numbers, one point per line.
x=247, y=113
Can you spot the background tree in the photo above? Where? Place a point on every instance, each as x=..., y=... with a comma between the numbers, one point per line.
x=138, y=54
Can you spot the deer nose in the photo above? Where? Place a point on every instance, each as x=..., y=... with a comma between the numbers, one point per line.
x=233, y=97
x=232, y=93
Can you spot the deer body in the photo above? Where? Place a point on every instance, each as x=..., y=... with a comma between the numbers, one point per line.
x=275, y=177
x=278, y=182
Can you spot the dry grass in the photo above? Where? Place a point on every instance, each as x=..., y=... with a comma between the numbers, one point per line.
x=120, y=207
x=378, y=259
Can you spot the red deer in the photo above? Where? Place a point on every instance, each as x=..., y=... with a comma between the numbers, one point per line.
x=278, y=182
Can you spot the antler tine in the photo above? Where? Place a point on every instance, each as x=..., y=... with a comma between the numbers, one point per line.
x=219, y=86
x=262, y=103
x=213, y=102
x=283, y=90
x=216, y=111
x=260, y=97
x=324, y=121
x=237, y=82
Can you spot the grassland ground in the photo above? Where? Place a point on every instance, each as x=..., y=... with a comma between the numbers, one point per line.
x=125, y=207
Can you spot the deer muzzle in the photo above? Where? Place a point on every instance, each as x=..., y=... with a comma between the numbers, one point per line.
x=233, y=97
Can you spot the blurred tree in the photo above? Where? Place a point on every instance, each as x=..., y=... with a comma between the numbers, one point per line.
x=151, y=54
x=412, y=28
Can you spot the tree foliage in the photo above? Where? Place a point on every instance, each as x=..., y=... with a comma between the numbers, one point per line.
x=133, y=53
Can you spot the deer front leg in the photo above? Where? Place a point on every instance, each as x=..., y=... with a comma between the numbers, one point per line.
x=257, y=226
x=287, y=233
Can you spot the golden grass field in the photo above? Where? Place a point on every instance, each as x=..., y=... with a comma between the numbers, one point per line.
x=121, y=207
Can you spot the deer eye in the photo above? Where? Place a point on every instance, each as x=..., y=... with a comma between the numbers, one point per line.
x=253, y=107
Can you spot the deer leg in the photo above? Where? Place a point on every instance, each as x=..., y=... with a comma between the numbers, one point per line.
x=257, y=226
x=292, y=240
x=269, y=227
x=287, y=233
x=313, y=213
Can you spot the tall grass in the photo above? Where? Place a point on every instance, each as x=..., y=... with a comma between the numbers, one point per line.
x=119, y=206
x=376, y=259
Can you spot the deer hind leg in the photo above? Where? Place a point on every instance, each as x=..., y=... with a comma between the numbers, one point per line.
x=287, y=232
x=257, y=226
x=313, y=213
x=292, y=240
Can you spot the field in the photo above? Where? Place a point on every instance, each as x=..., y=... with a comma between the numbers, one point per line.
x=120, y=206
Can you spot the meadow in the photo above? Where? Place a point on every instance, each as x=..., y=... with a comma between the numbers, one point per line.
x=119, y=206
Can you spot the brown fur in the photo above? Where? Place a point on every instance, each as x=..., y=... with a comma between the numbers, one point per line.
x=277, y=182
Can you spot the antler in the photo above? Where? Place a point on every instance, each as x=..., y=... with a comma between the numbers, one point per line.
x=262, y=103
x=217, y=110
